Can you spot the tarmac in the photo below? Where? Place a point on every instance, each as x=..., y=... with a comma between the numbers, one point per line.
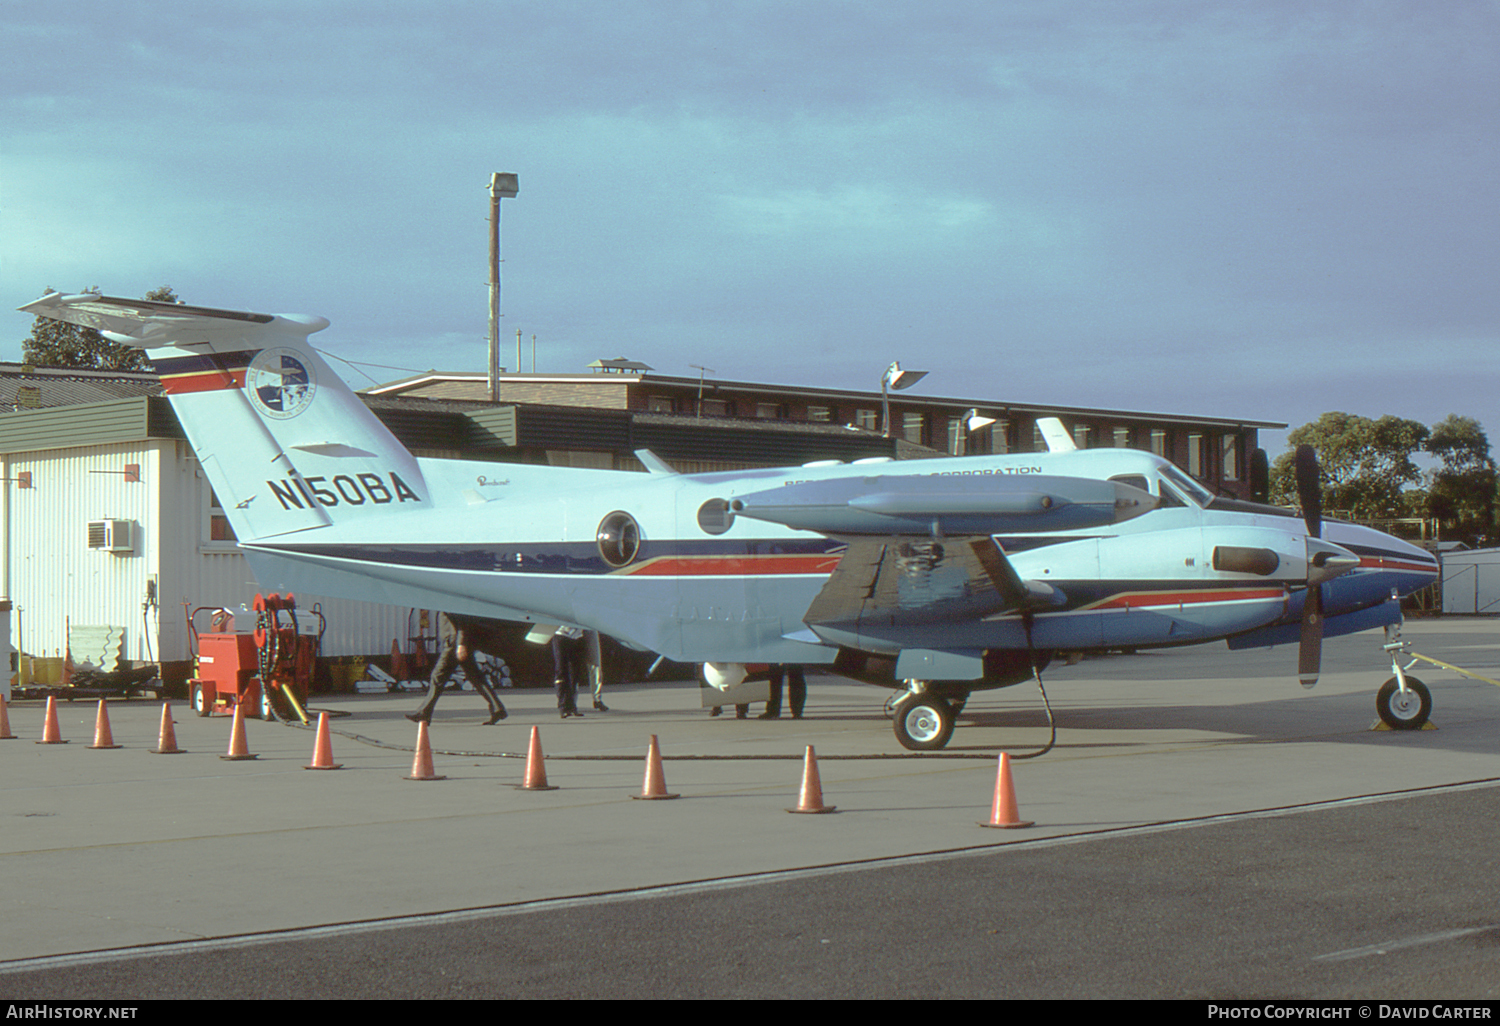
x=111, y=849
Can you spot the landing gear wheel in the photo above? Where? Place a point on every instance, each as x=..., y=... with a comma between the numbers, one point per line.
x=923, y=723
x=198, y=700
x=1406, y=711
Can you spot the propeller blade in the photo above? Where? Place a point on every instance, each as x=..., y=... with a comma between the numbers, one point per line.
x=1309, y=491
x=1310, y=651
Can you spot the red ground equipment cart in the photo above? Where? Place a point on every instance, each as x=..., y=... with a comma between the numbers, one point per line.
x=268, y=669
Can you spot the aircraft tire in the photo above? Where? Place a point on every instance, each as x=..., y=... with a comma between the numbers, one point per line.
x=923, y=723
x=1403, y=712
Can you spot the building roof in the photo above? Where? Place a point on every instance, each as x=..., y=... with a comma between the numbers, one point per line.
x=26, y=387
x=474, y=386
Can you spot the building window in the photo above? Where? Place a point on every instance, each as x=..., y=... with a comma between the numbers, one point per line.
x=914, y=427
x=1038, y=443
x=1120, y=437
x=822, y=414
x=1230, y=453
x=1082, y=435
x=1195, y=455
x=217, y=531
x=660, y=404
x=1159, y=441
x=715, y=408
x=867, y=419
x=768, y=411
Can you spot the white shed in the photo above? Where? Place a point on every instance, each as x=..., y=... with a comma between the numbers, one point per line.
x=1471, y=581
x=106, y=519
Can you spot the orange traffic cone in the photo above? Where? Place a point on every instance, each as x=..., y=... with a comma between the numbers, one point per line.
x=323, y=749
x=421, y=765
x=812, y=786
x=398, y=661
x=238, y=749
x=167, y=745
x=50, y=734
x=536, y=770
x=5, y=734
x=655, y=785
x=102, y=737
x=1005, y=815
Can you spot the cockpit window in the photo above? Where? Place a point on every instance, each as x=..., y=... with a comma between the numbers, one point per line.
x=1185, y=485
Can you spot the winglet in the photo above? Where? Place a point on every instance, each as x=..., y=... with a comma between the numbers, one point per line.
x=1055, y=435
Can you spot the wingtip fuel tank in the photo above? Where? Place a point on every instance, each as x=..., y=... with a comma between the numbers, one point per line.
x=923, y=504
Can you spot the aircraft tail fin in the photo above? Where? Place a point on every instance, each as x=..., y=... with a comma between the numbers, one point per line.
x=1055, y=435
x=284, y=442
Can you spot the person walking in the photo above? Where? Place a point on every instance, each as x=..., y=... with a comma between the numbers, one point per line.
x=457, y=641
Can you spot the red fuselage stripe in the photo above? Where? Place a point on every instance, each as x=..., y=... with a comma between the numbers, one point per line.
x=736, y=566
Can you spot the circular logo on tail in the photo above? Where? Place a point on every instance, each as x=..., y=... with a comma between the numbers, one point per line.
x=279, y=383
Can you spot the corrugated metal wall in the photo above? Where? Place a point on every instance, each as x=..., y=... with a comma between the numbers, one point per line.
x=57, y=578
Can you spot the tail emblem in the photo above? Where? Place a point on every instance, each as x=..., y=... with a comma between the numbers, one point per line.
x=280, y=385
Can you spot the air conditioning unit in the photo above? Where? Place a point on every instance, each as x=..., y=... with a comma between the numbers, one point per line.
x=111, y=535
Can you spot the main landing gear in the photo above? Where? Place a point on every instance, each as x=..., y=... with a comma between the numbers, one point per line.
x=923, y=720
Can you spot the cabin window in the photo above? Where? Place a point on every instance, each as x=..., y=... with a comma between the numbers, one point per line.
x=619, y=538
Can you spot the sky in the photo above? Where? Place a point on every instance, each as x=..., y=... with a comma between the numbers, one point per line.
x=1263, y=210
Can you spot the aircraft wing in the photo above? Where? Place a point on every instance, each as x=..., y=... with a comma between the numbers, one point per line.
x=891, y=582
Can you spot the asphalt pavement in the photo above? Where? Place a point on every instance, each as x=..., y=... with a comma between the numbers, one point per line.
x=1203, y=828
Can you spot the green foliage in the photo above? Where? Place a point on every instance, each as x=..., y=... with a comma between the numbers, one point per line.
x=1365, y=464
x=1462, y=492
x=1368, y=472
x=58, y=344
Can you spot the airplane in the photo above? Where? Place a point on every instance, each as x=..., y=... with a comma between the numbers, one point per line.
x=935, y=577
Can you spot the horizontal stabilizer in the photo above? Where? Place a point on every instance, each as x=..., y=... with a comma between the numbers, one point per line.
x=285, y=444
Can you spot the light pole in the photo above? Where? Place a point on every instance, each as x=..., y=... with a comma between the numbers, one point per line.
x=502, y=186
x=897, y=379
x=969, y=423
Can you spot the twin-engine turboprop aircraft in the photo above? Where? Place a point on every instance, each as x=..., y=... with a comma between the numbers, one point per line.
x=941, y=576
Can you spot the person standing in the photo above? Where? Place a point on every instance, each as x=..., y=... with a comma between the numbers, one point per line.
x=794, y=677
x=568, y=668
x=457, y=641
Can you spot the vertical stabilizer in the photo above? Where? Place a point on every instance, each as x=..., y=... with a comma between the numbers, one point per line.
x=284, y=442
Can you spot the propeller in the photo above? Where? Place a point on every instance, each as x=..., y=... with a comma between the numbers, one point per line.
x=1310, y=494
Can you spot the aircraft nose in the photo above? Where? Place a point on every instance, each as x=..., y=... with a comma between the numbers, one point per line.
x=1412, y=566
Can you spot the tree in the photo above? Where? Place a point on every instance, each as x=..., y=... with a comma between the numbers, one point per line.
x=1462, y=492
x=58, y=344
x=1365, y=465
